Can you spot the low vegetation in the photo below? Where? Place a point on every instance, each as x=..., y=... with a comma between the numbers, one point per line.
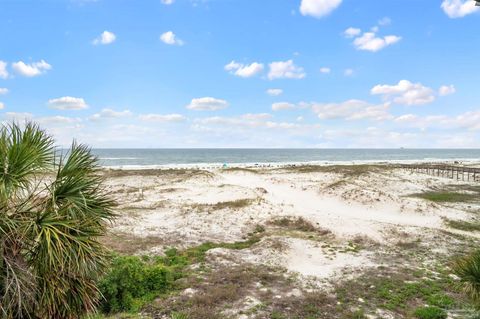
x=430, y=313
x=233, y=204
x=446, y=196
x=133, y=281
x=463, y=225
x=163, y=173
x=348, y=171
x=402, y=291
x=452, y=194
x=299, y=224
x=242, y=169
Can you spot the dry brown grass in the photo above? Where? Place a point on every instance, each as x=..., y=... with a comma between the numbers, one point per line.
x=345, y=170
x=336, y=184
x=233, y=204
x=242, y=169
x=223, y=288
x=299, y=224
x=164, y=173
x=216, y=289
x=124, y=243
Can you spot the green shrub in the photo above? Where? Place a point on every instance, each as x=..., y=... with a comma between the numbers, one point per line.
x=430, y=313
x=132, y=281
x=441, y=300
x=178, y=315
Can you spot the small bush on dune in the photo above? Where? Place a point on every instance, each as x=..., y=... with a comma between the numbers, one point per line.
x=132, y=282
x=430, y=313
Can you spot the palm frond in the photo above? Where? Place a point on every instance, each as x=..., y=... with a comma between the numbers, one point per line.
x=23, y=154
x=52, y=211
x=468, y=270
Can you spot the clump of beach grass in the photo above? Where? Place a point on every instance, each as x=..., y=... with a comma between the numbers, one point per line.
x=452, y=194
x=348, y=171
x=298, y=224
x=241, y=169
x=232, y=204
x=446, y=196
x=463, y=225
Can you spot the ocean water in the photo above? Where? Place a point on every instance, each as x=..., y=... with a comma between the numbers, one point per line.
x=172, y=157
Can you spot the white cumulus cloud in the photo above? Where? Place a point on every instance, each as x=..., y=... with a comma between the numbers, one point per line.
x=348, y=72
x=352, y=110
x=171, y=38
x=2, y=105
x=67, y=103
x=274, y=92
x=109, y=113
x=446, y=90
x=325, y=70
x=244, y=71
x=384, y=21
x=167, y=2
x=459, y=8
x=405, y=92
x=207, y=104
x=32, y=69
x=285, y=70
x=351, y=32
x=3, y=70
x=162, y=117
x=282, y=106
x=57, y=120
x=256, y=116
x=3, y=91
x=244, y=121
x=17, y=116
x=106, y=37
x=370, y=42
x=318, y=8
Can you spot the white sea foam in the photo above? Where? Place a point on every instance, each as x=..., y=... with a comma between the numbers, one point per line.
x=287, y=164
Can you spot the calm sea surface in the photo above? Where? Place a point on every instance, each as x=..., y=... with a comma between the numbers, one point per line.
x=152, y=157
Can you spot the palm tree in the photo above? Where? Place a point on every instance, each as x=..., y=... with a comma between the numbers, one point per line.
x=468, y=270
x=53, y=210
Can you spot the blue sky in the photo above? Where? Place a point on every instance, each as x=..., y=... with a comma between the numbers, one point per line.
x=244, y=73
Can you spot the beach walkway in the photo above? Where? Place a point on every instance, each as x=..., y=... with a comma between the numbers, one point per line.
x=448, y=171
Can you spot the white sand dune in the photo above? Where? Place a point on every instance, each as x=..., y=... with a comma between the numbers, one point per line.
x=187, y=210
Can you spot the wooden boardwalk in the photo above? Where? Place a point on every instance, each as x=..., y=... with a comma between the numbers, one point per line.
x=448, y=171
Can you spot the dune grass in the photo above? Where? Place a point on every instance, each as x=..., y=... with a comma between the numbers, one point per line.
x=402, y=291
x=231, y=204
x=346, y=170
x=241, y=169
x=463, y=224
x=446, y=196
x=298, y=224
x=453, y=193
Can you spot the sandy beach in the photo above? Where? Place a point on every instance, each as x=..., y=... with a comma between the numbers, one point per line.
x=324, y=227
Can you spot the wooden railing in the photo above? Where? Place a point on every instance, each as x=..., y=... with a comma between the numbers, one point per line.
x=448, y=171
